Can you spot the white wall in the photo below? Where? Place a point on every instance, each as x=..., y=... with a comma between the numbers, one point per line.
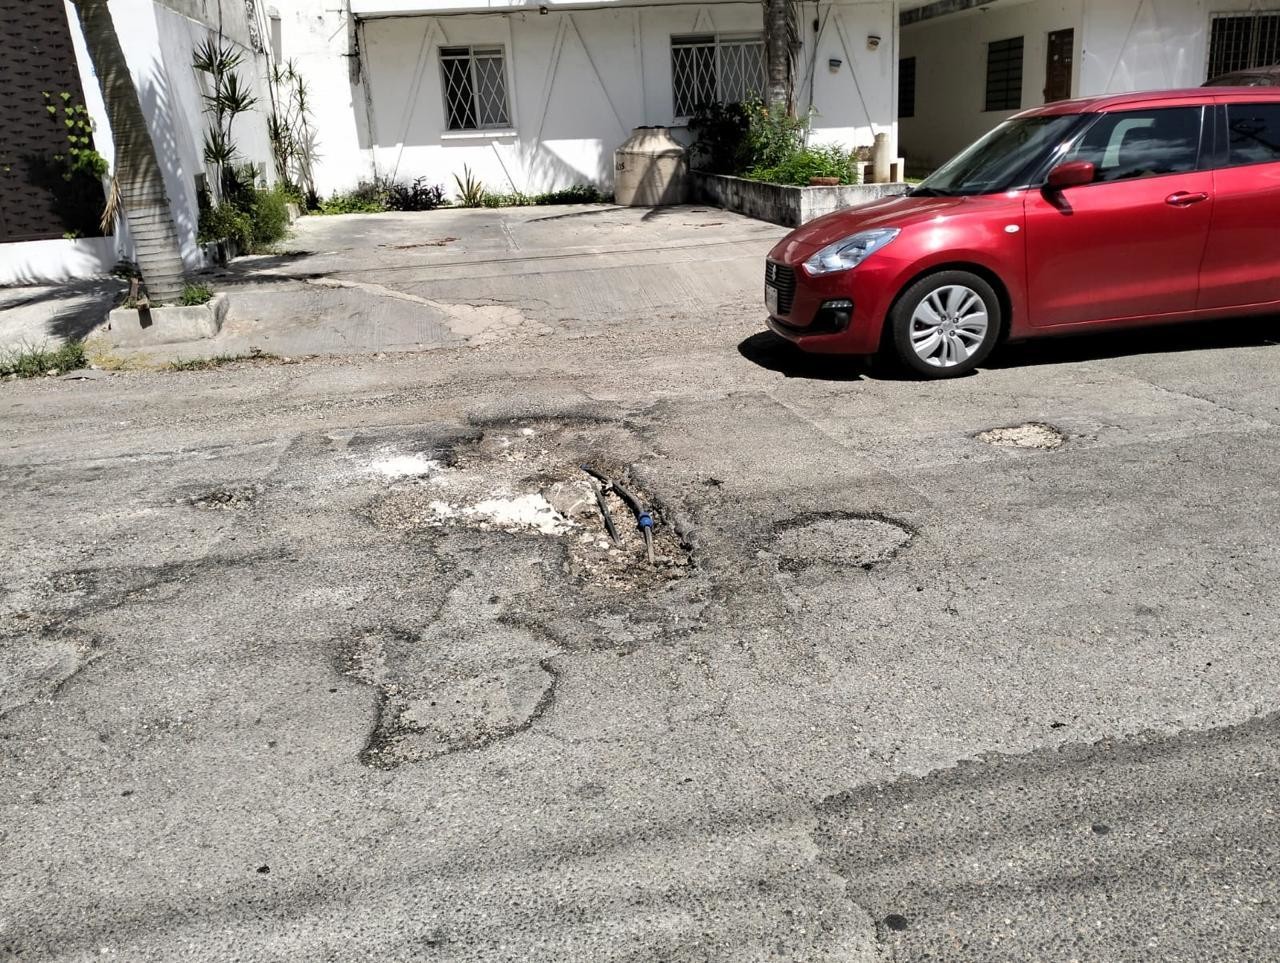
x=951, y=72
x=578, y=82
x=1150, y=44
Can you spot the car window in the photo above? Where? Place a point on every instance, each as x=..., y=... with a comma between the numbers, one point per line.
x=1142, y=143
x=1253, y=133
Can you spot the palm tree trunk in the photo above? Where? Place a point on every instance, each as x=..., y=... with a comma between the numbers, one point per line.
x=137, y=172
x=779, y=31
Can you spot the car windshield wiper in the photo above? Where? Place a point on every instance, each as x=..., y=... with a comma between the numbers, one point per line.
x=930, y=192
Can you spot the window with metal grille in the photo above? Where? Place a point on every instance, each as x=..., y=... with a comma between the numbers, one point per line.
x=713, y=69
x=1243, y=41
x=907, y=87
x=475, y=88
x=1004, y=74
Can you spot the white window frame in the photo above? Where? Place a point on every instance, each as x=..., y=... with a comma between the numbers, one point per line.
x=717, y=41
x=446, y=53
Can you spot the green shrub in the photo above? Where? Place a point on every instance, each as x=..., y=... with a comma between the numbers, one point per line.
x=773, y=135
x=194, y=294
x=804, y=165
x=578, y=194
x=417, y=196
x=226, y=221
x=471, y=192
x=270, y=216
x=367, y=198
x=253, y=219
x=514, y=199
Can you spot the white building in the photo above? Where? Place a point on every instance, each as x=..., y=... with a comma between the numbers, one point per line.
x=969, y=64
x=44, y=50
x=536, y=96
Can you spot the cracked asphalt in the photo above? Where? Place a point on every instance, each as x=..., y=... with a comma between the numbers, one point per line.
x=894, y=693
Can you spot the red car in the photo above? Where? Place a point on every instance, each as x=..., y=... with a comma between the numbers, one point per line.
x=1082, y=215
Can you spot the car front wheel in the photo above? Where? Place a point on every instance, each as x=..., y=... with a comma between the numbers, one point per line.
x=946, y=324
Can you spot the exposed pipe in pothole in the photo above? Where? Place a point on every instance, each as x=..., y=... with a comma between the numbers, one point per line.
x=644, y=518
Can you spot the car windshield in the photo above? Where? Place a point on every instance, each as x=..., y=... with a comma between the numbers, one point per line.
x=998, y=161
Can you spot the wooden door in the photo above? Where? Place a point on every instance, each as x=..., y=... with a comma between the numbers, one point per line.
x=1057, y=71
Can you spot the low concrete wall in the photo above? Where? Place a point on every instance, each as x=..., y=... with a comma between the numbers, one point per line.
x=50, y=262
x=780, y=204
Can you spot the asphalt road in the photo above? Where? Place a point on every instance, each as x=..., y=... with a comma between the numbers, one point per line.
x=288, y=670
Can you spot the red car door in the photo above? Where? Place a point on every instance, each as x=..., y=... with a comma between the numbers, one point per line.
x=1242, y=260
x=1130, y=244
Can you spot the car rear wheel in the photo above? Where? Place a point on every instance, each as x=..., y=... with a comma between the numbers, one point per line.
x=946, y=324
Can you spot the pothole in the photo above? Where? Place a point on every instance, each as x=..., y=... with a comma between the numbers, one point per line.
x=1033, y=435
x=526, y=478
x=226, y=498
x=842, y=540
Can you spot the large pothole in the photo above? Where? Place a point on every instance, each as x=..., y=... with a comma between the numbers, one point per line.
x=841, y=540
x=526, y=477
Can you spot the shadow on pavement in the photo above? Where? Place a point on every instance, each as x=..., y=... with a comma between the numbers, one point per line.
x=769, y=351
x=1197, y=336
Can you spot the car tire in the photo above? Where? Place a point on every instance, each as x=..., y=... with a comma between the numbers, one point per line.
x=945, y=325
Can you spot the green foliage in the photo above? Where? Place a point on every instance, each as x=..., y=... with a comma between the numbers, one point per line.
x=218, y=360
x=471, y=192
x=293, y=141
x=514, y=199
x=73, y=175
x=578, y=194
x=226, y=221
x=366, y=198
x=253, y=219
x=417, y=196
x=29, y=361
x=195, y=294
x=229, y=98
x=805, y=164
x=720, y=137
x=773, y=134
x=270, y=214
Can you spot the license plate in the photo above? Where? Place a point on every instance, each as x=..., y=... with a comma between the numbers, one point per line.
x=771, y=298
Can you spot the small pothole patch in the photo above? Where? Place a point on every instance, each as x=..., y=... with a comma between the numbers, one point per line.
x=226, y=499
x=1034, y=435
x=845, y=540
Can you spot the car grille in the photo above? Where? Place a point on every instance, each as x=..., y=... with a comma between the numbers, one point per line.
x=784, y=279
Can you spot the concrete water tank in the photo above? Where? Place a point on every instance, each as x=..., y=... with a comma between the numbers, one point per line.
x=650, y=169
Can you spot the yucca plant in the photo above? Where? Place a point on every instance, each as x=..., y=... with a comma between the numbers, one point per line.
x=471, y=192
x=230, y=96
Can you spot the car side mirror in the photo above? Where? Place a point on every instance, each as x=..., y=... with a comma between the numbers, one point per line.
x=1072, y=174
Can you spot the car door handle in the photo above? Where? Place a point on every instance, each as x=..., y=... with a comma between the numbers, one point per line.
x=1185, y=199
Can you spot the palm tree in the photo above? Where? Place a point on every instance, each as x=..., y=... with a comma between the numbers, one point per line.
x=137, y=171
x=781, y=40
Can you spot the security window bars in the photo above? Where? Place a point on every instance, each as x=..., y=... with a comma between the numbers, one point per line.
x=906, y=87
x=1004, y=74
x=475, y=88
x=1243, y=41
x=712, y=69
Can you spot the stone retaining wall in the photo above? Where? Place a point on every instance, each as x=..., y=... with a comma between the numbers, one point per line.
x=788, y=206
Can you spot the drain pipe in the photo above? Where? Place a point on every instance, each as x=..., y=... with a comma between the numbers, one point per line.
x=644, y=518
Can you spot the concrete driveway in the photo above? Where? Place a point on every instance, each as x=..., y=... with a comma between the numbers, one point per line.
x=404, y=282
x=294, y=664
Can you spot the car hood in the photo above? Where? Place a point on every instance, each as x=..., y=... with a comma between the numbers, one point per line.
x=891, y=212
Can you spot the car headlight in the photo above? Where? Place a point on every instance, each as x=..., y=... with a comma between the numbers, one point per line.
x=851, y=251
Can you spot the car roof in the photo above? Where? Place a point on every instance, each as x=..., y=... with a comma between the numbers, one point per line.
x=1151, y=98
